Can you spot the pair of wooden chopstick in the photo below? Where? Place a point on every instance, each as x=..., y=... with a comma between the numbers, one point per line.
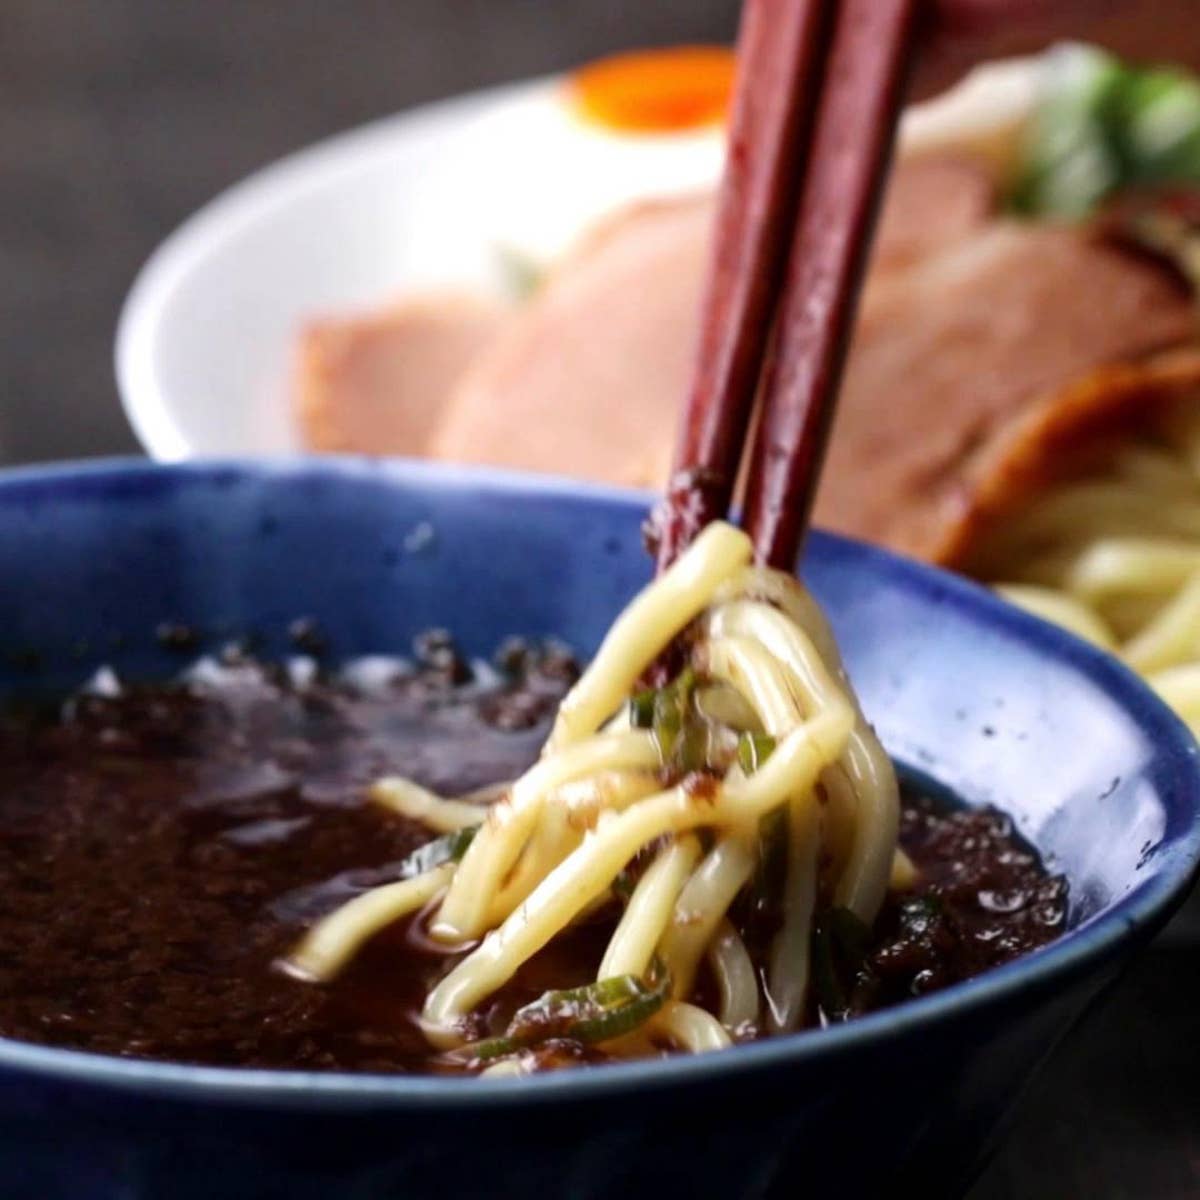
x=820, y=84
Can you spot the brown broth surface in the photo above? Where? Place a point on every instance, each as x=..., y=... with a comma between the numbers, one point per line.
x=162, y=847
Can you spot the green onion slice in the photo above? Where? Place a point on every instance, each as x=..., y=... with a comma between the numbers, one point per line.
x=450, y=847
x=1102, y=126
x=596, y=1012
x=840, y=945
x=753, y=749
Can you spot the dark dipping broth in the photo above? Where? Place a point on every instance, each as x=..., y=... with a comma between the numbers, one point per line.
x=161, y=847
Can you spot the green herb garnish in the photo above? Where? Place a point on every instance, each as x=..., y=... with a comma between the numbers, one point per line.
x=596, y=1012
x=1102, y=126
x=839, y=951
x=641, y=709
x=450, y=847
x=753, y=749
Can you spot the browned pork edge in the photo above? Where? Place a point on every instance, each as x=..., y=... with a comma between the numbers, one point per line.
x=1045, y=443
x=952, y=355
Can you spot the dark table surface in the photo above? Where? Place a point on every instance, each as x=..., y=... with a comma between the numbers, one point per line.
x=119, y=118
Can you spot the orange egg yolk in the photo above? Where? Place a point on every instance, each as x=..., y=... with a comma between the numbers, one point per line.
x=656, y=91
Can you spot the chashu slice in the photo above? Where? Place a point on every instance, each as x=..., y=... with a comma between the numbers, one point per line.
x=377, y=384
x=932, y=204
x=588, y=380
x=1064, y=436
x=949, y=357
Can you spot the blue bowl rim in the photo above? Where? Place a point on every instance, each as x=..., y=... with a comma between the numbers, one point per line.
x=1137, y=914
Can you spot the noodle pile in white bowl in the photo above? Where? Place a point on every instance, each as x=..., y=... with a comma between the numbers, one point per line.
x=1113, y=554
x=657, y=800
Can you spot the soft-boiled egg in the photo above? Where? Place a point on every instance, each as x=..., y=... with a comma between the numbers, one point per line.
x=544, y=166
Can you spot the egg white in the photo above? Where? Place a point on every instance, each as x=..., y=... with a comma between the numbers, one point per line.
x=536, y=174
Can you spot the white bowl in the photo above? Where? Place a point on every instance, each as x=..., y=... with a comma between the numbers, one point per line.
x=206, y=334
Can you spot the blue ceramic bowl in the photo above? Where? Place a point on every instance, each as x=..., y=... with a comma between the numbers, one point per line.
x=993, y=705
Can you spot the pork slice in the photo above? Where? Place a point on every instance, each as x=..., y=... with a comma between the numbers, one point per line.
x=931, y=204
x=1063, y=435
x=589, y=379
x=947, y=355
x=377, y=384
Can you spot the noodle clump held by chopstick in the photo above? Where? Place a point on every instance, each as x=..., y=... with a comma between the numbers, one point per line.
x=665, y=804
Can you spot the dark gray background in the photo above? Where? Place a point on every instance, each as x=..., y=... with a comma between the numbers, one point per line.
x=119, y=117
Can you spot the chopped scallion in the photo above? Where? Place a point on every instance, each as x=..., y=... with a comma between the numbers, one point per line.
x=753, y=749
x=450, y=847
